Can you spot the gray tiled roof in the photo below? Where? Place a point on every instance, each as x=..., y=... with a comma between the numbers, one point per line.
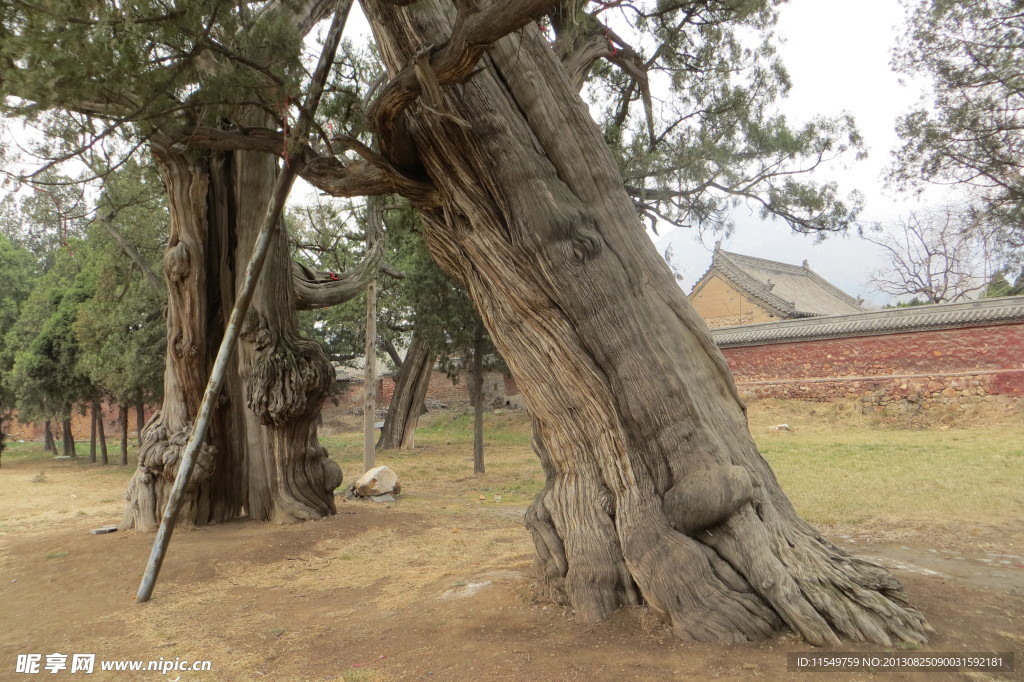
x=786, y=290
x=980, y=313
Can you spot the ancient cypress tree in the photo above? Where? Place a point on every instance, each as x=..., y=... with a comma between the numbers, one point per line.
x=655, y=492
x=152, y=75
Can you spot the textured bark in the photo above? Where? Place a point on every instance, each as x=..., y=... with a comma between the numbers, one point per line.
x=321, y=290
x=655, y=490
x=123, y=423
x=262, y=457
x=411, y=383
x=48, y=444
x=93, y=430
x=102, y=436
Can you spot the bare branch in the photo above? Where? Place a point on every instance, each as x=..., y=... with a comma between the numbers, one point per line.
x=159, y=288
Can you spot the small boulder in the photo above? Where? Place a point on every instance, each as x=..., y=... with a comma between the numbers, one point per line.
x=780, y=427
x=377, y=481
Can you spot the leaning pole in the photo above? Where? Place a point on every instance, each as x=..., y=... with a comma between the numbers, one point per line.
x=271, y=223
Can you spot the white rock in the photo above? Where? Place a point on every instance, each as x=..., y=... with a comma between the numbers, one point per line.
x=377, y=481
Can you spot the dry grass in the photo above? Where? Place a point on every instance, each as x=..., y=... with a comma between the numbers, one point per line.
x=37, y=491
x=856, y=474
x=843, y=470
x=386, y=591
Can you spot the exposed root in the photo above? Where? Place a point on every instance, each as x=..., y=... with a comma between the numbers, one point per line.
x=820, y=591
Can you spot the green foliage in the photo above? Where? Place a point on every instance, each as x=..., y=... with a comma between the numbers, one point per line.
x=999, y=286
x=145, y=57
x=123, y=336
x=713, y=141
x=907, y=304
x=42, y=348
x=17, y=268
x=425, y=301
x=45, y=216
x=121, y=328
x=971, y=133
x=90, y=323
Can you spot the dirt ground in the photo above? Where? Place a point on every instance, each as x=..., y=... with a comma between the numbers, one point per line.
x=436, y=590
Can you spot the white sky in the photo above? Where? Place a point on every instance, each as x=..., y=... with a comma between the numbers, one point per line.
x=837, y=54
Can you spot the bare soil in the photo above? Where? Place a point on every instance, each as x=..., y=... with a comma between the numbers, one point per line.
x=429, y=588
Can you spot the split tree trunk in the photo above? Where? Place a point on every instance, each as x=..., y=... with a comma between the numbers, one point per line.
x=48, y=442
x=655, y=492
x=67, y=438
x=411, y=383
x=262, y=457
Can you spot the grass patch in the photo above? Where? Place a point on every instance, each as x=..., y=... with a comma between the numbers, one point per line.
x=855, y=475
x=440, y=469
x=839, y=467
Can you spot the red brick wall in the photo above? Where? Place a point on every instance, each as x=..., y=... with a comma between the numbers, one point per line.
x=441, y=389
x=81, y=424
x=896, y=371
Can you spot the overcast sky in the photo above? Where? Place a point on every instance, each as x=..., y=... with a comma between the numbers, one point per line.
x=837, y=54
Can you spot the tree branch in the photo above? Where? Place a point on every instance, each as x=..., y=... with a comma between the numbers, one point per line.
x=475, y=30
x=133, y=254
x=315, y=290
x=333, y=175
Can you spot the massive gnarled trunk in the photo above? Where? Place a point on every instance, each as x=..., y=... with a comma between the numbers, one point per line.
x=411, y=383
x=262, y=458
x=655, y=493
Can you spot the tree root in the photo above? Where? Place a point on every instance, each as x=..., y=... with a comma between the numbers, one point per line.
x=740, y=581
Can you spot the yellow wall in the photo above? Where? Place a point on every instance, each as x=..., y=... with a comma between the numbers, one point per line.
x=721, y=305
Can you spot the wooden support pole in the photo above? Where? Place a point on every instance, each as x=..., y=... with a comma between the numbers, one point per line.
x=374, y=229
x=271, y=224
x=370, y=379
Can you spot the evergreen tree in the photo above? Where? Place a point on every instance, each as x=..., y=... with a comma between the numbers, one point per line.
x=16, y=274
x=43, y=349
x=971, y=133
x=999, y=286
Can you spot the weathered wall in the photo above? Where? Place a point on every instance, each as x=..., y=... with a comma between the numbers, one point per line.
x=441, y=389
x=893, y=372
x=721, y=305
x=81, y=423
